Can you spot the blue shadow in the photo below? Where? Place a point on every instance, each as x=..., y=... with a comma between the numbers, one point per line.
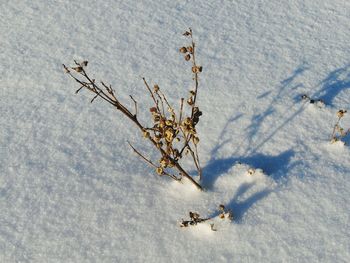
x=336, y=81
x=271, y=165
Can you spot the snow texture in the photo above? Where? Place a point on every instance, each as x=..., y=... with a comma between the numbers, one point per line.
x=71, y=190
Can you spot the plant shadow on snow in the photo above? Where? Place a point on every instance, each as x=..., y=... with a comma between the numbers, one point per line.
x=285, y=88
x=240, y=207
x=336, y=81
x=275, y=166
x=271, y=165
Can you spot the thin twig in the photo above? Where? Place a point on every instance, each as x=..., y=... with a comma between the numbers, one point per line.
x=152, y=164
x=143, y=157
x=151, y=93
x=199, y=169
x=135, y=103
x=335, y=128
x=181, y=110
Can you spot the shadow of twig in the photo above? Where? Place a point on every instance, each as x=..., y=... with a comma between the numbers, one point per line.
x=269, y=164
x=240, y=207
x=336, y=81
x=257, y=120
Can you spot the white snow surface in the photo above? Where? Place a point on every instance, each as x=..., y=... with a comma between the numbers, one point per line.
x=71, y=189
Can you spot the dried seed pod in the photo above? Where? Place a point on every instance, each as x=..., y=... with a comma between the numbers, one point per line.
x=187, y=57
x=304, y=97
x=84, y=63
x=183, y=50
x=159, y=170
x=190, y=49
x=146, y=134
x=341, y=113
x=195, y=140
x=192, y=92
x=164, y=162
x=156, y=117
x=169, y=123
x=194, y=215
x=153, y=109
x=221, y=207
x=188, y=121
x=161, y=123
x=196, y=69
x=156, y=88
x=193, y=131
x=186, y=34
x=251, y=171
x=78, y=69
x=169, y=135
x=176, y=154
x=190, y=101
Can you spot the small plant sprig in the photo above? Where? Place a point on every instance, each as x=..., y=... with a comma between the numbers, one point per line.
x=195, y=218
x=173, y=134
x=338, y=131
x=318, y=102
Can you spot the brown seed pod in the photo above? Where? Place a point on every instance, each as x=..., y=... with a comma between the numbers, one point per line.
x=186, y=34
x=169, y=123
x=169, y=135
x=190, y=101
x=341, y=113
x=156, y=138
x=190, y=49
x=146, y=134
x=156, y=117
x=156, y=88
x=188, y=121
x=159, y=170
x=84, y=63
x=78, y=69
x=153, y=109
x=183, y=50
x=187, y=57
x=164, y=162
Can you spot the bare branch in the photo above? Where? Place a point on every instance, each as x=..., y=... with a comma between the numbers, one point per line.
x=151, y=93
x=143, y=157
x=135, y=103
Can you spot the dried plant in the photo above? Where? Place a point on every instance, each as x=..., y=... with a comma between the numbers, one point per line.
x=318, y=102
x=196, y=219
x=172, y=133
x=338, y=131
